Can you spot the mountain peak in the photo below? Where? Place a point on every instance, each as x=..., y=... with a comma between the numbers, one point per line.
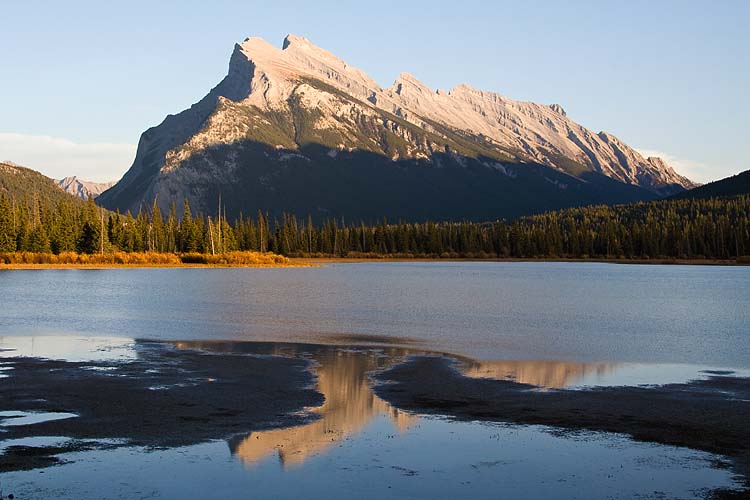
x=407, y=80
x=464, y=88
x=297, y=94
x=557, y=108
x=297, y=40
x=256, y=48
x=82, y=189
x=256, y=42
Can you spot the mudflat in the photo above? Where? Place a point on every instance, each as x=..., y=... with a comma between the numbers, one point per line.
x=709, y=415
x=165, y=397
x=182, y=393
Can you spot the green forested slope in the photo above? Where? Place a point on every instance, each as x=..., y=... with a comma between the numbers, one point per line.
x=36, y=218
x=731, y=186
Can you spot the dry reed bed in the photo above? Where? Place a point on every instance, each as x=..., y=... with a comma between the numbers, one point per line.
x=72, y=259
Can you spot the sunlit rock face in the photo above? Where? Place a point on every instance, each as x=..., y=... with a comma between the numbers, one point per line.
x=349, y=406
x=83, y=189
x=283, y=112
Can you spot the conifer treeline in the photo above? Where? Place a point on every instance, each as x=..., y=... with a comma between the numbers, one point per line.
x=693, y=228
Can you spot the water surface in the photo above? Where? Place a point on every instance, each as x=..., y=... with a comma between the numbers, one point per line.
x=551, y=325
x=572, y=312
x=357, y=445
x=434, y=459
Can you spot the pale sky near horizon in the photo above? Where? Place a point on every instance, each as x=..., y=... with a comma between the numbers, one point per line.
x=81, y=80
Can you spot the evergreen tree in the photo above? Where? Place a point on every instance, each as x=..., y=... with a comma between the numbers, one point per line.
x=88, y=241
x=7, y=231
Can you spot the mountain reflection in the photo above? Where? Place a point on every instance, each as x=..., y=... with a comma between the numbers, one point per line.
x=547, y=374
x=350, y=404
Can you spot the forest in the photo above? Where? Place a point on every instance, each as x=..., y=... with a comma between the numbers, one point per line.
x=713, y=228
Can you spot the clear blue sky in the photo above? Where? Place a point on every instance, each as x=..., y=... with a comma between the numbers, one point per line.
x=80, y=80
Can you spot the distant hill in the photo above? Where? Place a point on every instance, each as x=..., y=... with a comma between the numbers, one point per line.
x=83, y=189
x=731, y=186
x=298, y=130
x=23, y=183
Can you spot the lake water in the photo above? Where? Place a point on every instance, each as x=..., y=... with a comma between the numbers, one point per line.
x=571, y=312
x=548, y=324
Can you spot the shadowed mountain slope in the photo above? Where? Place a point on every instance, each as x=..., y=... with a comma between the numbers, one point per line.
x=731, y=186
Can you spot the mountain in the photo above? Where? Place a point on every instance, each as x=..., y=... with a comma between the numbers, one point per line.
x=22, y=183
x=731, y=186
x=297, y=129
x=83, y=189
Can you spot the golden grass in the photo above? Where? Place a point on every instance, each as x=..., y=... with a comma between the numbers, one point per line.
x=20, y=260
x=236, y=259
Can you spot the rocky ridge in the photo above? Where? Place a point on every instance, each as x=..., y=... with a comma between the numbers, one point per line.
x=83, y=189
x=292, y=98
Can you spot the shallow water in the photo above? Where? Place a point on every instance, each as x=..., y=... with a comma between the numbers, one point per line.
x=358, y=445
x=430, y=459
x=68, y=347
x=572, y=375
x=546, y=374
x=13, y=418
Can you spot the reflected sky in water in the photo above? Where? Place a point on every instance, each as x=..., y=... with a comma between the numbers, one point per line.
x=68, y=347
x=436, y=459
x=359, y=446
x=13, y=418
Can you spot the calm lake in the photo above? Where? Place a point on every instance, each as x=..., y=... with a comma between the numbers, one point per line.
x=576, y=312
x=554, y=325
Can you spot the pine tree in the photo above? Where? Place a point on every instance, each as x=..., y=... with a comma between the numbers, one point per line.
x=88, y=241
x=7, y=231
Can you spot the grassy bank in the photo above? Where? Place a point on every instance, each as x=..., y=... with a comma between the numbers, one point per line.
x=72, y=260
x=28, y=260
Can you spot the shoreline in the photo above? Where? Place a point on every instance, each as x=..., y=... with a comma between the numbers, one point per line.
x=301, y=262
x=58, y=267
x=165, y=397
x=385, y=258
